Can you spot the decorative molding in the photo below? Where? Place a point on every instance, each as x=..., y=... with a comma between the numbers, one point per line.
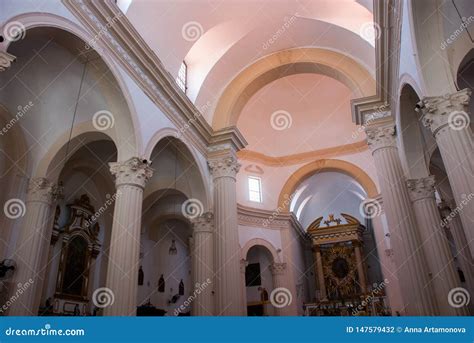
x=278, y=268
x=341, y=150
x=436, y=109
x=203, y=223
x=226, y=166
x=381, y=135
x=135, y=172
x=387, y=18
x=6, y=60
x=41, y=189
x=422, y=188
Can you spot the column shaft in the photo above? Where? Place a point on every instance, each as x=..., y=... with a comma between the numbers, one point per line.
x=409, y=259
x=435, y=244
x=124, y=250
x=360, y=267
x=32, y=247
x=203, y=263
x=227, y=249
x=448, y=118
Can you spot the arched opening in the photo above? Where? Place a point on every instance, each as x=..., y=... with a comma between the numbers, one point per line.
x=465, y=79
x=417, y=140
x=259, y=281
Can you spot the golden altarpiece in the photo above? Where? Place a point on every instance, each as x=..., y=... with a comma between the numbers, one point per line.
x=341, y=271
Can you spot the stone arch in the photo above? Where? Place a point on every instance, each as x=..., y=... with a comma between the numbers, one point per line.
x=191, y=153
x=324, y=165
x=34, y=20
x=263, y=243
x=284, y=63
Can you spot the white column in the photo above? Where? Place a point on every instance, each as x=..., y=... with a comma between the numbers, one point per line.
x=122, y=271
x=32, y=247
x=409, y=259
x=203, y=262
x=434, y=243
x=448, y=118
x=227, y=250
x=360, y=266
x=282, y=299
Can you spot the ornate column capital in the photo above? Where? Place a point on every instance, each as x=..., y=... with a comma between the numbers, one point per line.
x=134, y=171
x=203, y=223
x=421, y=188
x=41, y=189
x=6, y=60
x=381, y=136
x=227, y=166
x=449, y=110
x=278, y=268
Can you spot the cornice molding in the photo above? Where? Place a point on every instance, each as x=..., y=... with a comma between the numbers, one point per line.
x=347, y=149
x=387, y=19
x=276, y=220
x=138, y=59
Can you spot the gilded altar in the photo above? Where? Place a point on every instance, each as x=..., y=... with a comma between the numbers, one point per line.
x=340, y=270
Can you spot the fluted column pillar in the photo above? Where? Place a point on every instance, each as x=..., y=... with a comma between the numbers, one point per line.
x=203, y=262
x=435, y=244
x=409, y=258
x=448, y=118
x=281, y=297
x=32, y=247
x=122, y=271
x=224, y=168
x=360, y=267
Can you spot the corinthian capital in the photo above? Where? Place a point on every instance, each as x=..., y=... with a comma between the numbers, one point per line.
x=421, y=188
x=203, y=223
x=278, y=268
x=381, y=136
x=440, y=111
x=224, y=166
x=42, y=190
x=134, y=171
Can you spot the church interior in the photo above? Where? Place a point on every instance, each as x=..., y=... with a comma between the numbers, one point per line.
x=236, y=158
